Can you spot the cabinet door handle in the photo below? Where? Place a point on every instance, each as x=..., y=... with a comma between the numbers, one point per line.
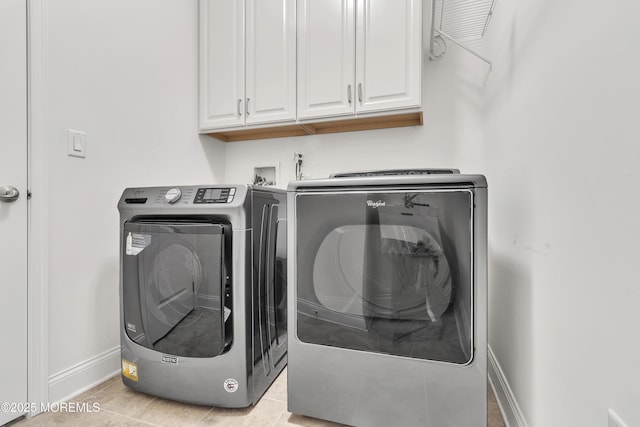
x=360, y=93
x=349, y=94
x=247, y=106
x=239, y=112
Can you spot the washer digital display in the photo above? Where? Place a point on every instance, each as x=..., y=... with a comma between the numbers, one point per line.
x=214, y=195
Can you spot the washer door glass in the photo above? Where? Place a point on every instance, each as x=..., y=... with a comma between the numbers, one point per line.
x=174, y=294
x=386, y=272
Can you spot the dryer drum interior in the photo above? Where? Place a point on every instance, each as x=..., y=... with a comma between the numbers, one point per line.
x=387, y=272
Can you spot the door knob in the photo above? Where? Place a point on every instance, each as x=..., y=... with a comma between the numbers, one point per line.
x=9, y=194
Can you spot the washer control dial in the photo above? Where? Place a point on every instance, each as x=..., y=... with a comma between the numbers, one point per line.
x=173, y=195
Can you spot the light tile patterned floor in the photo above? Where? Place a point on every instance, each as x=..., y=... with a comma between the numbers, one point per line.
x=121, y=406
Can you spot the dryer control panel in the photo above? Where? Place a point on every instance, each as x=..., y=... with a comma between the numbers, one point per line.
x=214, y=195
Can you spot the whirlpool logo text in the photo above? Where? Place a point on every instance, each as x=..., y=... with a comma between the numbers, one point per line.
x=375, y=204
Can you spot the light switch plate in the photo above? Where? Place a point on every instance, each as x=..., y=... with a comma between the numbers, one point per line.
x=76, y=143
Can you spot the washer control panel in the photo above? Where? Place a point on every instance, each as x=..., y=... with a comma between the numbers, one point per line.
x=214, y=195
x=183, y=196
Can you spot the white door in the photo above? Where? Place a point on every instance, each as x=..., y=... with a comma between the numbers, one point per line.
x=13, y=213
x=222, y=99
x=270, y=61
x=389, y=54
x=326, y=58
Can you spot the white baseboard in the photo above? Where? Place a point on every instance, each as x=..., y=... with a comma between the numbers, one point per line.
x=83, y=376
x=509, y=407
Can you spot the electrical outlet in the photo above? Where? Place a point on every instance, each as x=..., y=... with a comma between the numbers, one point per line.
x=615, y=421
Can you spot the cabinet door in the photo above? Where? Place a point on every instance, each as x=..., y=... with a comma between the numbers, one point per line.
x=270, y=56
x=326, y=51
x=221, y=63
x=389, y=54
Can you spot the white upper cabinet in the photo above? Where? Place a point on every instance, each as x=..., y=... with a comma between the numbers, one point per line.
x=326, y=53
x=357, y=56
x=247, y=62
x=221, y=63
x=388, y=54
x=271, y=61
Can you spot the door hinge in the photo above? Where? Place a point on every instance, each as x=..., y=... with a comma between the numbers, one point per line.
x=28, y=194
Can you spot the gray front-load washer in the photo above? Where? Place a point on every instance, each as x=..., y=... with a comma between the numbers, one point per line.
x=203, y=296
x=388, y=298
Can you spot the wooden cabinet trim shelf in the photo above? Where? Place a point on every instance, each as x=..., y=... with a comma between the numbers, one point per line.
x=317, y=128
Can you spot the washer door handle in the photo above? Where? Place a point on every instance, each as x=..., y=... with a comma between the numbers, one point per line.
x=9, y=194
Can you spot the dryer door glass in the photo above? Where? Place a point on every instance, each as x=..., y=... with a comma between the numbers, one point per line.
x=386, y=272
x=175, y=294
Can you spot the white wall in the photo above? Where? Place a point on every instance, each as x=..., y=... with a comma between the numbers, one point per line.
x=561, y=158
x=124, y=72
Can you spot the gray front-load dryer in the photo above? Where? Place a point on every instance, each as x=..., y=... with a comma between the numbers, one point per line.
x=203, y=292
x=387, y=299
